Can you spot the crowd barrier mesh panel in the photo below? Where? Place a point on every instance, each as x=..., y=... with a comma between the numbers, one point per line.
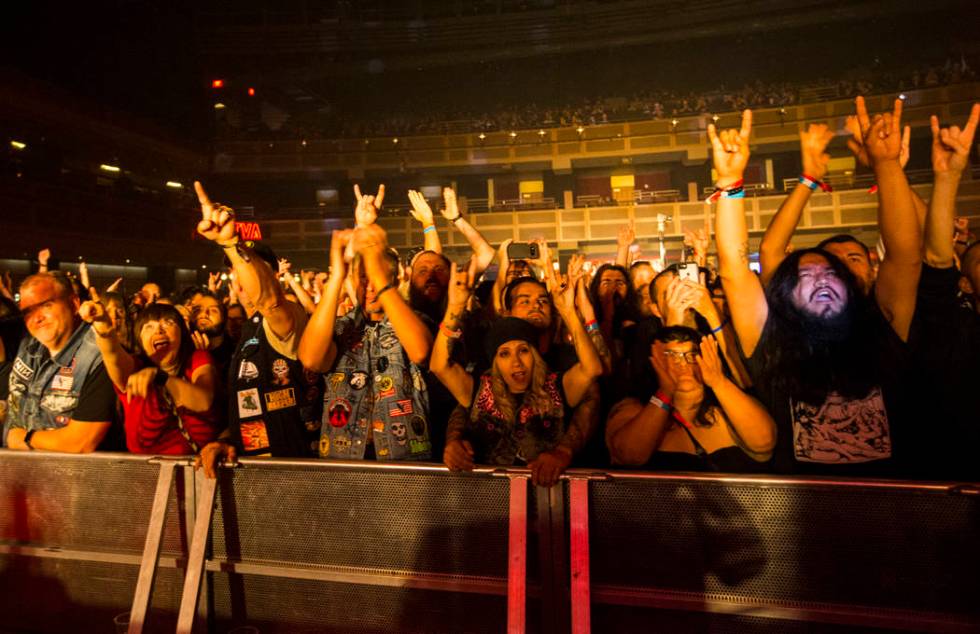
x=880, y=548
x=414, y=521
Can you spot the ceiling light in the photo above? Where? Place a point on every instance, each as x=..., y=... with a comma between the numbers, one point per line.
x=219, y=106
x=18, y=145
x=174, y=185
x=109, y=168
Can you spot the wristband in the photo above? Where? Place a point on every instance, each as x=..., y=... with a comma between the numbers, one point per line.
x=812, y=183
x=715, y=331
x=429, y=229
x=456, y=219
x=27, y=438
x=735, y=190
x=663, y=397
x=873, y=189
x=591, y=326
x=659, y=403
x=160, y=378
x=449, y=332
x=386, y=287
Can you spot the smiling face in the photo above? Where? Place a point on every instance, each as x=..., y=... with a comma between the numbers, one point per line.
x=160, y=339
x=819, y=291
x=49, y=313
x=515, y=363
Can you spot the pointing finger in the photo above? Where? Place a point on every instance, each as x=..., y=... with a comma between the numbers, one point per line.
x=746, y=125
x=357, y=192
x=379, y=199
x=202, y=196
x=862, y=114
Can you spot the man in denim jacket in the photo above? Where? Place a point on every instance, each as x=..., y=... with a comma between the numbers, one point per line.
x=375, y=398
x=61, y=398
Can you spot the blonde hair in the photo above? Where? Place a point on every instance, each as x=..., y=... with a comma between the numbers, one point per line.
x=536, y=397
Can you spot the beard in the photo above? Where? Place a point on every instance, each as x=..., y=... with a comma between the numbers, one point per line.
x=211, y=331
x=828, y=331
x=421, y=302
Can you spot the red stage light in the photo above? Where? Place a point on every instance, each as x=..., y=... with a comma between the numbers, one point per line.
x=251, y=92
x=217, y=83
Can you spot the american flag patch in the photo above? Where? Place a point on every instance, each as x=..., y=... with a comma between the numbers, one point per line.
x=400, y=408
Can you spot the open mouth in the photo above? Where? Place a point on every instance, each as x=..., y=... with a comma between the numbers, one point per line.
x=519, y=377
x=160, y=344
x=823, y=296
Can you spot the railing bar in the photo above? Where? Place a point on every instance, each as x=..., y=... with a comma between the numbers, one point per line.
x=151, y=549
x=579, y=537
x=195, y=559
x=517, y=557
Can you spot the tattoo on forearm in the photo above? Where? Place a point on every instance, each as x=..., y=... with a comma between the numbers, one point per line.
x=743, y=252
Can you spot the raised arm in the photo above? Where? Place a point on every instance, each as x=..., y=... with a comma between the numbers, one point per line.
x=482, y=250
x=257, y=280
x=746, y=298
x=317, y=349
x=898, y=276
x=503, y=263
x=301, y=294
x=370, y=243
x=119, y=364
x=456, y=379
x=950, y=156
x=624, y=240
x=583, y=374
x=754, y=427
x=813, y=145
x=422, y=212
x=577, y=279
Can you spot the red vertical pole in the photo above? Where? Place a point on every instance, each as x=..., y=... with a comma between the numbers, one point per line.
x=517, y=556
x=579, y=520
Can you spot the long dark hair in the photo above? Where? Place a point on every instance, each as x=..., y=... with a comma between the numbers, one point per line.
x=808, y=357
x=626, y=309
x=683, y=334
x=156, y=312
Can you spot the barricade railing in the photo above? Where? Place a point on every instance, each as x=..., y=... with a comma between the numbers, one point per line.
x=310, y=545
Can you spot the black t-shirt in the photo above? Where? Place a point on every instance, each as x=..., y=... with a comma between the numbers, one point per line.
x=97, y=403
x=945, y=344
x=866, y=436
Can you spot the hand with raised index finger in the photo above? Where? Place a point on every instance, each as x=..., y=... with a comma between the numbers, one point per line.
x=730, y=150
x=951, y=146
x=217, y=221
x=93, y=312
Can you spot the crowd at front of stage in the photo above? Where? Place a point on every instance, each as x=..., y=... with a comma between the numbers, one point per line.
x=843, y=359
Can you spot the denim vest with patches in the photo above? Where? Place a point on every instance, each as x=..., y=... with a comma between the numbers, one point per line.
x=373, y=389
x=44, y=391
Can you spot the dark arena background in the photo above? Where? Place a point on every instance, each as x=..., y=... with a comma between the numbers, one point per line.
x=582, y=125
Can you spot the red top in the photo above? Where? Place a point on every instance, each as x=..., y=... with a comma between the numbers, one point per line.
x=151, y=427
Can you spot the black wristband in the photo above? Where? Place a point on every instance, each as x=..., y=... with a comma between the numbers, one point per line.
x=458, y=217
x=27, y=438
x=160, y=379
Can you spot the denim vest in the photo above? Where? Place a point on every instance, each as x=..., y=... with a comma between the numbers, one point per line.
x=373, y=384
x=44, y=391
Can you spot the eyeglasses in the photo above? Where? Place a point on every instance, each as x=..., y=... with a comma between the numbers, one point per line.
x=677, y=357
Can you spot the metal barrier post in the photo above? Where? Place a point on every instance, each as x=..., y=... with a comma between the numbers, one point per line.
x=517, y=556
x=579, y=537
x=195, y=559
x=151, y=550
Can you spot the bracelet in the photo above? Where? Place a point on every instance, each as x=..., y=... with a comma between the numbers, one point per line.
x=449, y=332
x=456, y=219
x=654, y=400
x=812, y=183
x=27, y=438
x=591, y=326
x=715, y=331
x=735, y=190
x=386, y=287
x=429, y=229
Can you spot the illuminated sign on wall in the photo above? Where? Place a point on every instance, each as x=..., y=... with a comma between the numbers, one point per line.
x=248, y=230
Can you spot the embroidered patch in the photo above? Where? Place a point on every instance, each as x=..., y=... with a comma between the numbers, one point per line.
x=280, y=399
x=382, y=364
x=338, y=413
x=399, y=432
x=335, y=380
x=254, y=435
x=324, y=446
x=418, y=425
x=378, y=426
x=358, y=380
x=62, y=383
x=22, y=370
x=400, y=408
x=280, y=372
x=387, y=340
x=248, y=371
x=248, y=403
x=386, y=383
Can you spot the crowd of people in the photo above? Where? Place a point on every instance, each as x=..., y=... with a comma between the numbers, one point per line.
x=838, y=360
x=444, y=116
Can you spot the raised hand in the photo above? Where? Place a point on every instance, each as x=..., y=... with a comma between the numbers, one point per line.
x=93, y=312
x=83, y=274
x=730, y=150
x=367, y=208
x=882, y=134
x=626, y=235
x=112, y=288
x=284, y=266
x=710, y=363
x=451, y=210
x=200, y=340
x=698, y=240
x=214, y=279
x=461, y=282
x=856, y=143
x=951, y=146
x=43, y=256
x=813, y=146
x=339, y=240
x=217, y=221
x=421, y=210
x=576, y=268
x=658, y=361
